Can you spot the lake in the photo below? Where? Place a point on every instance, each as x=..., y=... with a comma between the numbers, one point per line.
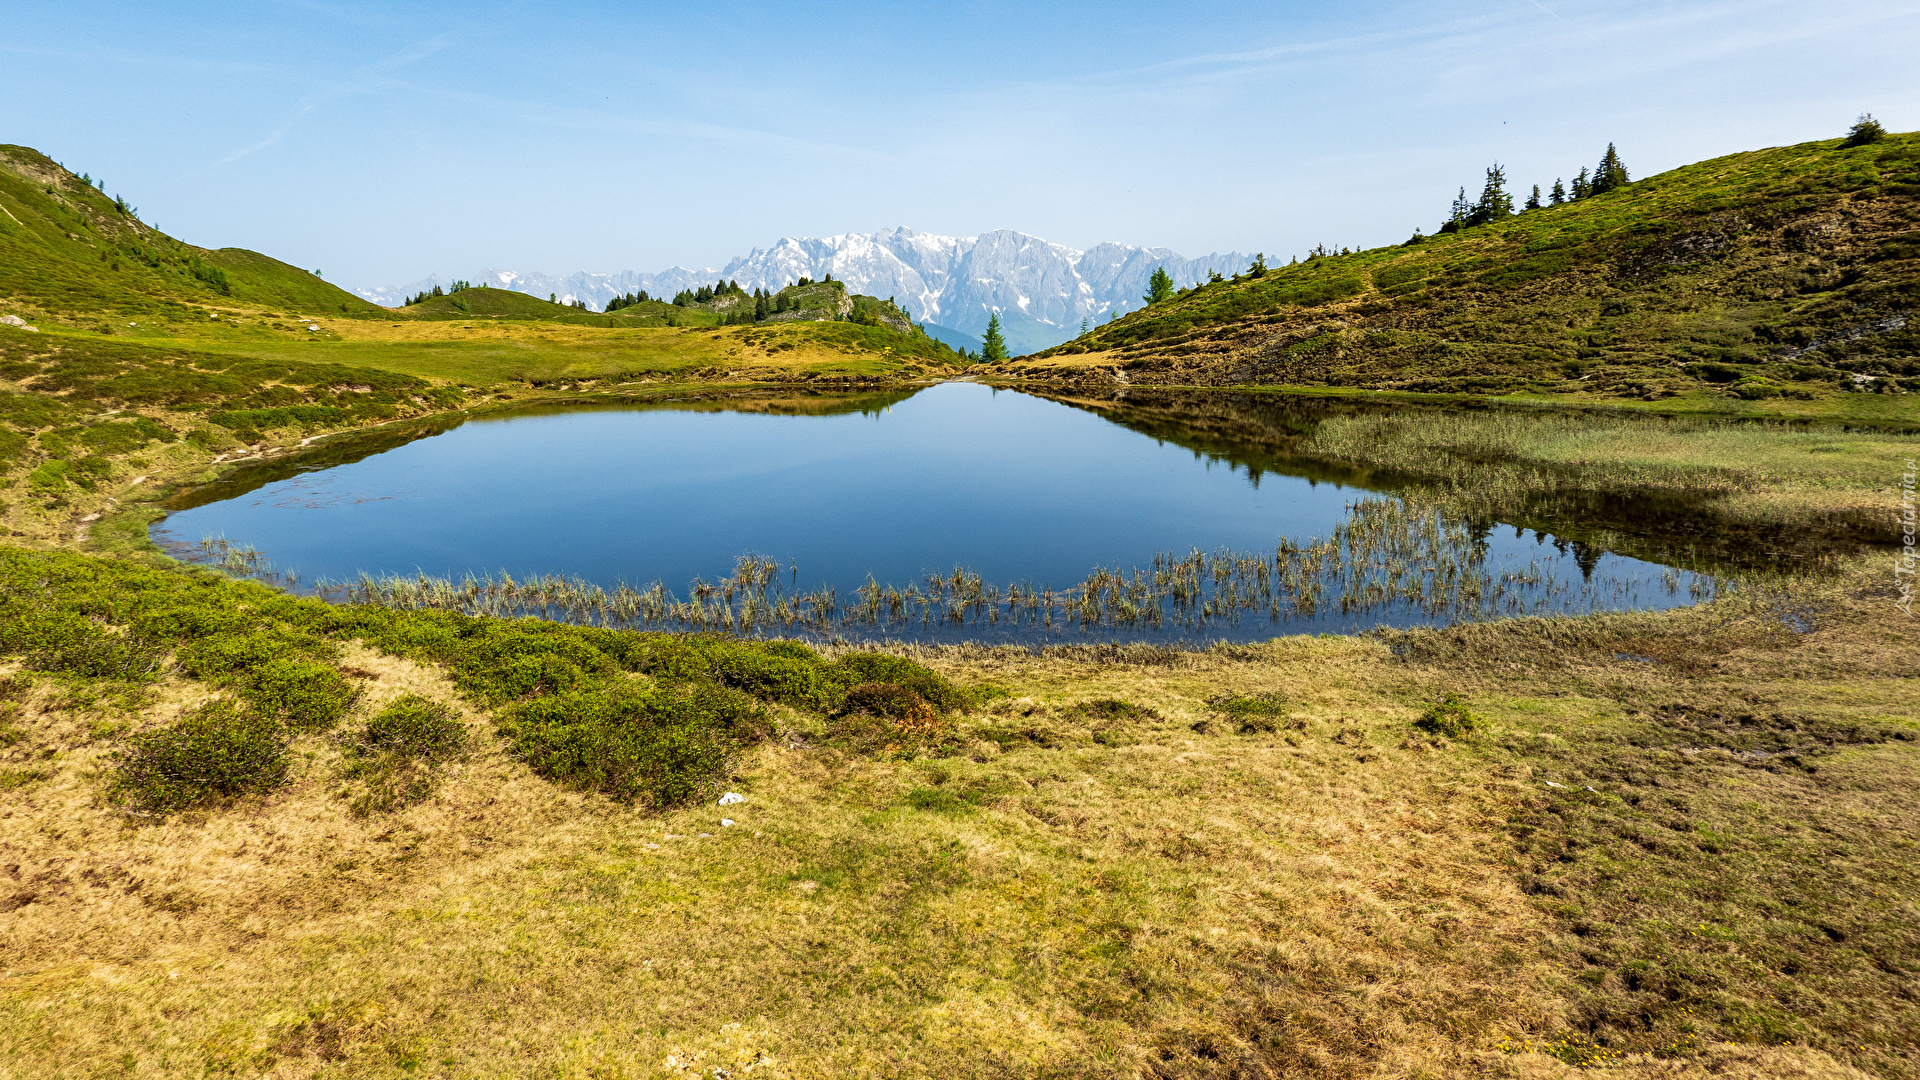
x=950, y=496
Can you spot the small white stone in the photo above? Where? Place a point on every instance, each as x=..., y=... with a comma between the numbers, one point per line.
x=726, y=823
x=731, y=798
x=1552, y=784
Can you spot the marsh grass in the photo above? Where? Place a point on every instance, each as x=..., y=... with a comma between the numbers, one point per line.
x=1390, y=558
x=1511, y=459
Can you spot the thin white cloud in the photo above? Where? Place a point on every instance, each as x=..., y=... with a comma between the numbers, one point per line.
x=360, y=82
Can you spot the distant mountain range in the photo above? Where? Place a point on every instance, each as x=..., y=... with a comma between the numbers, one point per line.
x=1041, y=290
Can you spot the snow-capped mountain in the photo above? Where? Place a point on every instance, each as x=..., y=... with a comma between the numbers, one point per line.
x=1040, y=290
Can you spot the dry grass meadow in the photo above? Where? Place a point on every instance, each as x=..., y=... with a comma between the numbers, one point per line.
x=1723, y=882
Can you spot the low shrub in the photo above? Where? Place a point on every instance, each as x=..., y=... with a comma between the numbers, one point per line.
x=303, y=694
x=416, y=727
x=879, y=717
x=1112, y=709
x=855, y=669
x=636, y=743
x=1449, y=717
x=71, y=643
x=218, y=751
x=395, y=754
x=1264, y=712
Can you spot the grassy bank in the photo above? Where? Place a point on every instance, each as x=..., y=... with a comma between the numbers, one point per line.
x=93, y=427
x=1242, y=861
x=1754, y=472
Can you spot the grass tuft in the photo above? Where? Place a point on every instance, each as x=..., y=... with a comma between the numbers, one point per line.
x=1449, y=717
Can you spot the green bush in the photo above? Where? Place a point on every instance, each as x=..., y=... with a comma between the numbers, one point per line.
x=395, y=754
x=872, y=667
x=218, y=751
x=228, y=658
x=69, y=642
x=416, y=727
x=785, y=679
x=1449, y=717
x=303, y=694
x=568, y=697
x=636, y=743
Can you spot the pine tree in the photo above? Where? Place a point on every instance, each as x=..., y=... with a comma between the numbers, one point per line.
x=1086, y=324
x=1159, y=286
x=1611, y=175
x=1495, y=204
x=1581, y=187
x=1559, y=196
x=1457, y=216
x=993, y=347
x=1259, y=267
x=1533, y=200
x=1865, y=130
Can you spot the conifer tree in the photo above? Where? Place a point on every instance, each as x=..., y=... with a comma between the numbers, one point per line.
x=993, y=347
x=1495, y=204
x=1533, y=200
x=1611, y=175
x=759, y=308
x=1865, y=130
x=1086, y=324
x=1559, y=196
x=1159, y=286
x=1457, y=216
x=1581, y=187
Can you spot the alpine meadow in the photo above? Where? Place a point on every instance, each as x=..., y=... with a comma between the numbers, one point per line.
x=1577, y=732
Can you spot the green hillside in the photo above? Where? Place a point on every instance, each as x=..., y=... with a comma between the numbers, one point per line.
x=1792, y=271
x=479, y=301
x=70, y=252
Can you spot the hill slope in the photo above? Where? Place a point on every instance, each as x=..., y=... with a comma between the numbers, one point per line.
x=68, y=251
x=1784, y=271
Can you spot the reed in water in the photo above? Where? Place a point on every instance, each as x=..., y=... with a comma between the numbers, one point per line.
x=1391, y=557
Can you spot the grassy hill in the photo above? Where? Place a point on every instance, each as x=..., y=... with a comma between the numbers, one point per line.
x=69, y=252
x=1793, y=271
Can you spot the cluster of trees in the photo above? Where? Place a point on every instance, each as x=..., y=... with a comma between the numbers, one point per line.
x=628, y=300
x=428, y=294
x=707, y=293
x=1496, y=204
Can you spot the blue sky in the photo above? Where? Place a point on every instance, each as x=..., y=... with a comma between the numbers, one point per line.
x=380, y=142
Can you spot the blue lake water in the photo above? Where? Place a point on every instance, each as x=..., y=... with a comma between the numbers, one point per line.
x=1011, y=486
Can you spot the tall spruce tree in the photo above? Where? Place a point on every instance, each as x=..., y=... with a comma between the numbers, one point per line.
x=993, y=347
x=1495, y=204
x=1559, y=195
x=1611, y=175
x=1159, y=286
x=1533, y=200
x=1581, y=187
